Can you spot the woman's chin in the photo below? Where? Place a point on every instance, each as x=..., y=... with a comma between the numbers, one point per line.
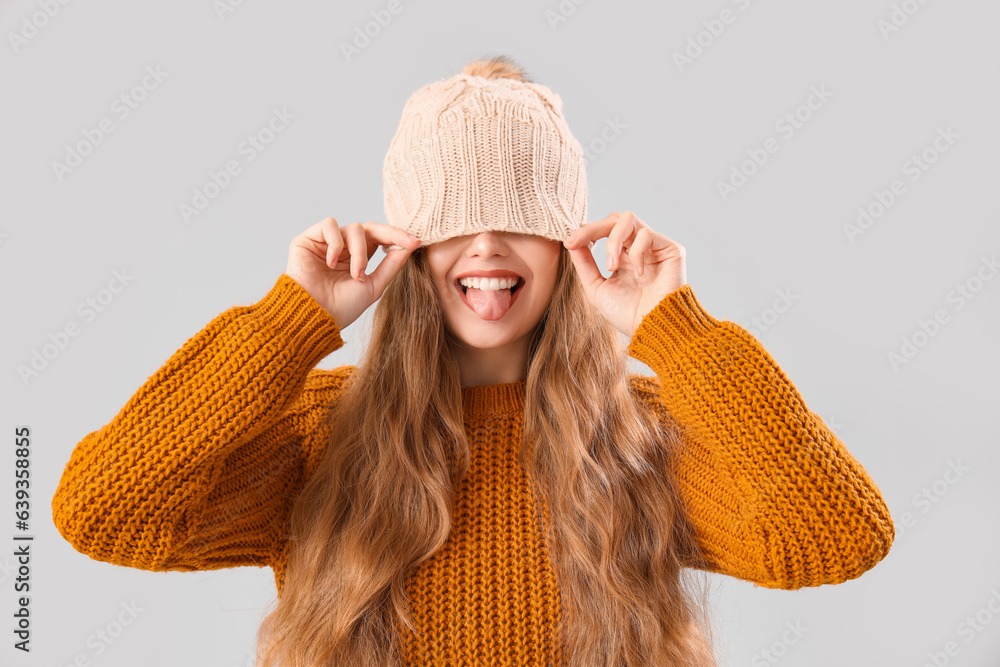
x=484, y=338
x=473, y=331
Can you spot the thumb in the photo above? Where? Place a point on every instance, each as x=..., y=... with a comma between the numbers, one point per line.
x=387, y=268
x=586, y=268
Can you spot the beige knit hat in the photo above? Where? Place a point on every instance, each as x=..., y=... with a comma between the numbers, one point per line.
x=486, y=149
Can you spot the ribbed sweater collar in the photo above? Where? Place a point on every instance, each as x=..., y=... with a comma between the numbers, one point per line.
x=487, y=400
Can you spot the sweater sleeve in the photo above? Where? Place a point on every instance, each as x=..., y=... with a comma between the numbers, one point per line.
x=198, y=469
x=774, y=496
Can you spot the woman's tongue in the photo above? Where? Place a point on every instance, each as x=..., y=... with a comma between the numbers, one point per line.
x=489, y=304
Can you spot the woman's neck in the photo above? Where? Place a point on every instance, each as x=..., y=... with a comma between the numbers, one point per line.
x=493, y=365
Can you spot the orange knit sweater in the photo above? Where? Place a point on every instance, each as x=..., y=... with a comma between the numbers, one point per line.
x=199, y=470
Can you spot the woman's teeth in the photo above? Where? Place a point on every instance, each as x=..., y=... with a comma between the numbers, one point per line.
x=488, y=283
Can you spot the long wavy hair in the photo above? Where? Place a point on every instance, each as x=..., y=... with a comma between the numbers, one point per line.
x=596, y=456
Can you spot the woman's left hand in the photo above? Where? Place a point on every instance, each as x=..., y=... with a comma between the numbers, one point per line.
x=647, y=266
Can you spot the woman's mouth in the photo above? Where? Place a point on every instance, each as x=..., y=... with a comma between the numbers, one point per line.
x=489, y=304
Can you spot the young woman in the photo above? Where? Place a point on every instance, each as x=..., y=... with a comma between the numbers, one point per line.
x=490, y=484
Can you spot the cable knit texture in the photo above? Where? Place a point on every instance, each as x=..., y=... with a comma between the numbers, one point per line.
x=473, y=154
x=200, y=468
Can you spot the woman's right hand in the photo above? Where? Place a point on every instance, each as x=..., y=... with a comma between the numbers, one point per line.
x=329, y=262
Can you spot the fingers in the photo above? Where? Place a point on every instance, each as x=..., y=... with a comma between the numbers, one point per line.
x=370, y=236
x=328, y=240
x=592, y=231
x=334, y=241
x=321, y=240
x=625, y=231
x=620, y=228
x=621, y=233
x=361, y=241
x=354, y=235
x=640, y=245
x=586, y=269
x=389, y=267
x=386, y=236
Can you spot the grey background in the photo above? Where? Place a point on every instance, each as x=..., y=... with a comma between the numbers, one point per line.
x=680, y=131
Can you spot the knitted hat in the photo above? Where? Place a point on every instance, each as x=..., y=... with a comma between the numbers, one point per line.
x=484, y=150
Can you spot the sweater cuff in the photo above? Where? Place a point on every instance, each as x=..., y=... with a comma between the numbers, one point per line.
x=290, y=313
x=677, y=322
